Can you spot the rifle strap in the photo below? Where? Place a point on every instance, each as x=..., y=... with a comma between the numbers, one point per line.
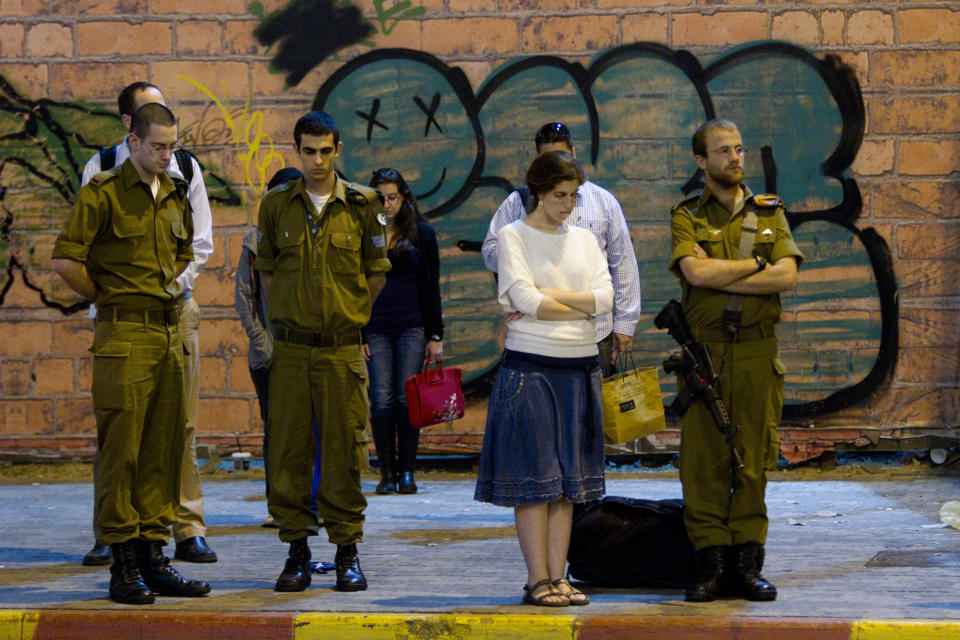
x=732, y=315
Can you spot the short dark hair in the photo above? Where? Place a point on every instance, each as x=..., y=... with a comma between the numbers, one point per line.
x=148, y=114
x=409, y=213
x=550, y=169
x=699, y=140
x=127, y=98
x=553, y=132
x=316, y=123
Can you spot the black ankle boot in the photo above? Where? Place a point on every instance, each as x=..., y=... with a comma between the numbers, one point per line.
x=126, y=583
x=406, y=484
x=387, y=484
x=408, y=439
x=163, y=579
x=746, y=580
x=296, y=572
x=384, y=439
x=710, y=568
x=349, y=574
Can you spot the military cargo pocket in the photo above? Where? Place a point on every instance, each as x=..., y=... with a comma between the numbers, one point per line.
x=110, y=359
x=776, y=399
x=344, y=252
x=359, y=367
x=362, y=452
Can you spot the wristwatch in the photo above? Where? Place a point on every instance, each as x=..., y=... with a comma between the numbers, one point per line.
x=761, y=263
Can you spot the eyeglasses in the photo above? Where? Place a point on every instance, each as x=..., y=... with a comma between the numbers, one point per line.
x=160, y=148
x=726, y=152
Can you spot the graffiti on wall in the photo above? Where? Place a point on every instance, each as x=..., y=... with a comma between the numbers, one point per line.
x=632, y=111
x=43, y=146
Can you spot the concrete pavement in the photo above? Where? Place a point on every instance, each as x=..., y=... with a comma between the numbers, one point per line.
x=851, y=559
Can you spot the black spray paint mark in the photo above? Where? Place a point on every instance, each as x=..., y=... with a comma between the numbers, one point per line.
x=308, y=31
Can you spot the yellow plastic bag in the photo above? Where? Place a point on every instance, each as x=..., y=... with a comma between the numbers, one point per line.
x=632, y=404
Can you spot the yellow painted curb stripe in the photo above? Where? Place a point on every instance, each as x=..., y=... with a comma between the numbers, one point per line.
x=18, y=625
x=410, y=626
x=905, y=630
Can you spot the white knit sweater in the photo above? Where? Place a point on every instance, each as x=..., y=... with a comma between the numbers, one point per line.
x=570, y=259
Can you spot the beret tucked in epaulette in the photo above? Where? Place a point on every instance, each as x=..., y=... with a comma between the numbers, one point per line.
x=689, y=205
x=767, y=200
x=359, y=194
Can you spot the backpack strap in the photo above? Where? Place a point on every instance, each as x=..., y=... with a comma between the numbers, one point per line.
x=732, y=315
x=108, y=158
x=185, y=162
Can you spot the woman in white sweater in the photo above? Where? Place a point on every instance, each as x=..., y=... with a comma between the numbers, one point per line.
x=543, y=443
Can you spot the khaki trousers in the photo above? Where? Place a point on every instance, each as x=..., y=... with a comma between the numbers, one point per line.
x=190, y=513
x=317, y=393
x=138, y=404
x=720, y=508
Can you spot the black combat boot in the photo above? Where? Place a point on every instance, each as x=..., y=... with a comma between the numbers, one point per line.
x=746, y=581
x=126, y=583
x=706, y=586
x=163, y=579
x=383, y=439
x=296, y=572
x=349, y=574
x=408, y=440
x=98, y=556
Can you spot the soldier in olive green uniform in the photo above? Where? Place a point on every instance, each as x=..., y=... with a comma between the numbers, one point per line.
x=124, y=244
x=725, y=513
x=322, y=258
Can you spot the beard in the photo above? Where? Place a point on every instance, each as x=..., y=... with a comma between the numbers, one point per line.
x=727, y=177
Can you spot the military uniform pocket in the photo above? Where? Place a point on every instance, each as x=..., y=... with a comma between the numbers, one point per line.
x=344, y=252
x=289, y=243
x=110, y=358
x=362, y=452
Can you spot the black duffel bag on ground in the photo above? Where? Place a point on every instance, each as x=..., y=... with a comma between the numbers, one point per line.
x=631, y=542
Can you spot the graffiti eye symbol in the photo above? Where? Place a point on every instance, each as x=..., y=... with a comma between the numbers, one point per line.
x=430, y=111
x=371, y=118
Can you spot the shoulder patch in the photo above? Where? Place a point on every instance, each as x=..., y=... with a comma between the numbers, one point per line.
x=767, y=200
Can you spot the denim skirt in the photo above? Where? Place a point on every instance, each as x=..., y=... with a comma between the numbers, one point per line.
x=544, y=435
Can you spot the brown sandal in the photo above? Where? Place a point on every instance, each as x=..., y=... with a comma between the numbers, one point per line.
x=576, y=597
x=540, y=601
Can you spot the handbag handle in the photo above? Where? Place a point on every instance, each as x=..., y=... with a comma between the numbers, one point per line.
x=433, y=375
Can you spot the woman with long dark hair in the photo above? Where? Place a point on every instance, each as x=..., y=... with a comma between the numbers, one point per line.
x=405, y=329
x=543, y=442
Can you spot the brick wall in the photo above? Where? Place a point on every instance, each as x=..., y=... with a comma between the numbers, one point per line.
x=906, y=56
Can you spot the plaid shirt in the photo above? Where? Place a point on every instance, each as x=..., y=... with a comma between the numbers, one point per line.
x=598, y=212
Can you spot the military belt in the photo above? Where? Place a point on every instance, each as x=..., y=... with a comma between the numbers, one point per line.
x=153, y=316
x=316, y=339
x=744, y=334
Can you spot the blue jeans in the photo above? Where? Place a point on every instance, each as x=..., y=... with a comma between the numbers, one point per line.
x=394, y=358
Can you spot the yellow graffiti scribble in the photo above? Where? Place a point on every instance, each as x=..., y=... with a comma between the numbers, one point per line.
x=247, y=132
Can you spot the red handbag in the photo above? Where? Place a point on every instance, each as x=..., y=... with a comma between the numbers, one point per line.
x=434, y=396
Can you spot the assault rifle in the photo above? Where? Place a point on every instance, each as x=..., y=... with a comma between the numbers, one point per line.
x=694, y=365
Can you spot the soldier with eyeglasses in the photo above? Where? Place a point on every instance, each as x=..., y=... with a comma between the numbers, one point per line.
x=734, y=254
x=190, y=529
x=123, y=247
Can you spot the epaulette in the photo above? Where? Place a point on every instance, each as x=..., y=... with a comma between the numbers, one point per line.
x=689, y=205
x=103, y=177
x=360, y=195
x=283, y=186
x=767, y=200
